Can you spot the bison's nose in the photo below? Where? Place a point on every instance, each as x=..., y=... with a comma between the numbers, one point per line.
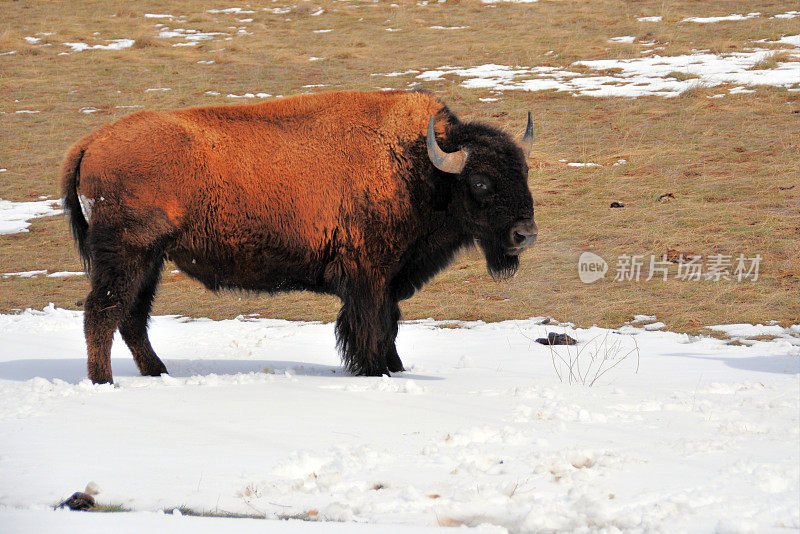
x=523, y=234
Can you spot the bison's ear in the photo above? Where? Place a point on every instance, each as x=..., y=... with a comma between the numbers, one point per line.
x=441, y=192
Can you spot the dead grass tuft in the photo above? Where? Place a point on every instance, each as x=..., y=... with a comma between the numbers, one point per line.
x=10, y=40
x=773, y=60
x=148, y=41
x=109, y=508
x=682, y=76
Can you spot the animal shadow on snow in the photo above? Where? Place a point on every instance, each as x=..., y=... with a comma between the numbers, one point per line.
x=74, y=370
x=769, y=363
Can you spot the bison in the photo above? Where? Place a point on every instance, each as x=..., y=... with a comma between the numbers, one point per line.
x=363, y=195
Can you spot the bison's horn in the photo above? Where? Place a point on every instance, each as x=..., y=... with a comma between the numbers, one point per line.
x=452, y=162
x=527, y=139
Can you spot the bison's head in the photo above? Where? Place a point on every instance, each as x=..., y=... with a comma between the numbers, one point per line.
x=489, y=190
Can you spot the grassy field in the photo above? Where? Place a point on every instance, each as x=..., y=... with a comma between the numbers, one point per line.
x=731, y=164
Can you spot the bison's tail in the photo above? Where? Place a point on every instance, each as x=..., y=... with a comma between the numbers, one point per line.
x=70, y=179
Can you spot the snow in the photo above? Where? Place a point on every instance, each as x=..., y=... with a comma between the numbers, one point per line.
x=250, y=95
x=25, y=274
x=277, y=10
x=398, y=73
x=14, y=216
x=622, y=39
x=643, y=76
x=27, y=521
x=37, y=272
x=448, y=27
x=65, y=274
x=189, y=35
x=708, y=20
x=787, y=15
x=748, y=330
x=793, y=40
x=257, y=417
x=579, y=164
x=740, y=90
x=113, y=44
x=649, y=19
x=231, y=10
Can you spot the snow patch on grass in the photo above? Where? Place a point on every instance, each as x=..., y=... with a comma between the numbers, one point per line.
x=249, y=95
x=231, y=11
x=65, y=274
x=622, y=39
x=113, y=44
x=749, y=330
x=24, y=274
x=579, y=164
x=645, y=76
x=14, y=216
x=710, y=20
x=190, y=36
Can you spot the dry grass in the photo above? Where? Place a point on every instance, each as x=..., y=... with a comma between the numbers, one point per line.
x=682, y=76
x=730, y=163
x=774, y=60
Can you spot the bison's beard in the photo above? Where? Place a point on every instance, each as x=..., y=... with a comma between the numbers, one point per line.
x=501, y=265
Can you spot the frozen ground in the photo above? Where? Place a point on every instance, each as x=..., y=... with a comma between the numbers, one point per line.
x=257, y=417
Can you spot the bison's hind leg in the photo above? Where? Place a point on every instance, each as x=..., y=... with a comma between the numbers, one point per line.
x=123, y=278
x=133, y=327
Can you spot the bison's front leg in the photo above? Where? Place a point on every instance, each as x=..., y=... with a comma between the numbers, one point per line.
x=393, y=361
x=365, y=333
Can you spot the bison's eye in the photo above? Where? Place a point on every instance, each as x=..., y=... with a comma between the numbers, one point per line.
x=480, y=185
